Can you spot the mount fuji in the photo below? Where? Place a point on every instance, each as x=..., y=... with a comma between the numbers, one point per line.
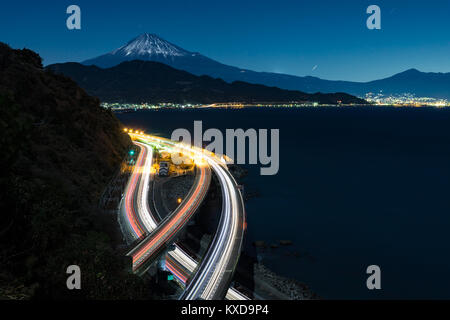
x=150, y=47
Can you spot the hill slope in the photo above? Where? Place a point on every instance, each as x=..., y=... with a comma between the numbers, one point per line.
x=145, y=81
x=59, y=150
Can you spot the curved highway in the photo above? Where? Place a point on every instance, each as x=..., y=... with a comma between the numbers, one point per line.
x=213, y=276
x=215, y=272
x=169, y=227
x=135, y=218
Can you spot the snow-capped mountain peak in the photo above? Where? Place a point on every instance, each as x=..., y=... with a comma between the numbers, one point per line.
x=148, y=44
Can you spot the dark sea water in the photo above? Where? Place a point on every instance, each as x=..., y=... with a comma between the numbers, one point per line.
x=356, y=187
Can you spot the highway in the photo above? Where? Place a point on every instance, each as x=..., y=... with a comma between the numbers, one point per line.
x=146, y=217
x=142, y=220
x=168, y=228
x=135, y=218
x=212, y=277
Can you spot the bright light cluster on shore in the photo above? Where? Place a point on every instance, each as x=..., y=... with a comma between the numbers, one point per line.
x=405, y=100
x=124, y=107
x=379, y=99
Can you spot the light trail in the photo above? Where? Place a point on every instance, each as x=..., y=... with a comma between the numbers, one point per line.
x=134, y=227
x=143, y=208
x=214, y=274
x=216, y=269
x=163, y=233
x=182, y=266
x=170, y=226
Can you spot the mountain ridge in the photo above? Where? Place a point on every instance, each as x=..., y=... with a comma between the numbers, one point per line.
x=420, y=83
x=140, y=81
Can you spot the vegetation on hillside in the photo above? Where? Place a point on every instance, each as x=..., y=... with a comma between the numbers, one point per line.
x=59, y=150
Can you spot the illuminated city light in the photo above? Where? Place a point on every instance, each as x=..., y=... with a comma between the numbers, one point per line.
x=405, y=100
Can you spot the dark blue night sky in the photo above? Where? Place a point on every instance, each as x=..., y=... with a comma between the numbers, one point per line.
x=328, y=39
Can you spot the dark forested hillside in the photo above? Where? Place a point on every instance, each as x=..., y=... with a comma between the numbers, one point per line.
x=146, y=81
x=59, y=149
